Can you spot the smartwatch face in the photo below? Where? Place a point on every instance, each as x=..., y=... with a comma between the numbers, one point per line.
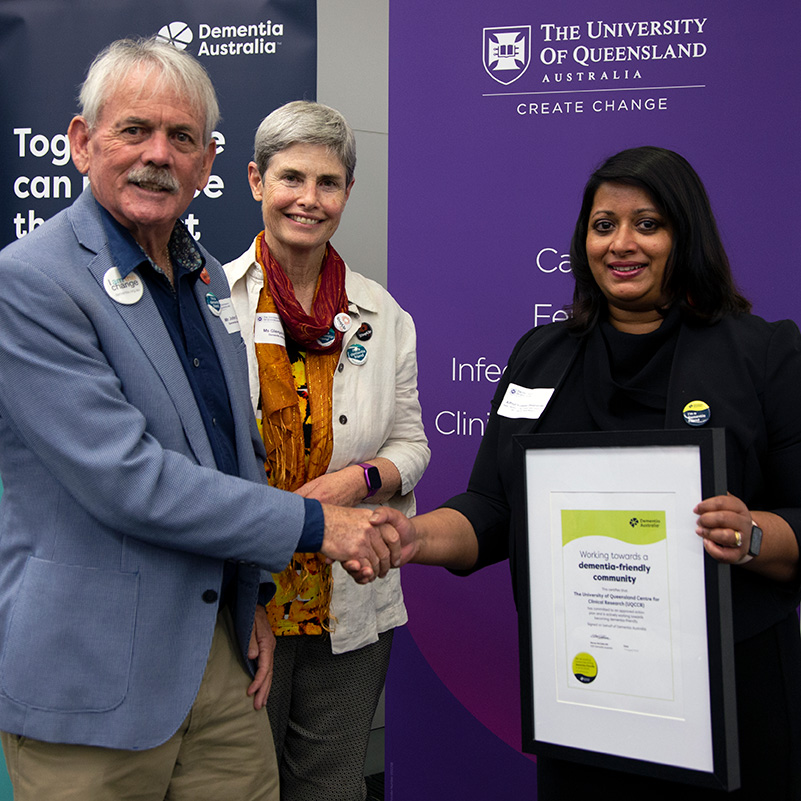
x=756, y=541
x=375, y=478
x=372, y=478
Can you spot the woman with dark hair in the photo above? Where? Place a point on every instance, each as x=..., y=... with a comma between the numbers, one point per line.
x=702, y=285
x=657, y=323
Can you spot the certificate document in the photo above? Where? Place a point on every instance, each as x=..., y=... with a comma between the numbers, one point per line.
x=618, y=654
x=615, y=597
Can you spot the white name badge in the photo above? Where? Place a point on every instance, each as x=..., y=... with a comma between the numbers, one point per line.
x=228, y=315
x=269, y=330
x=524, y=402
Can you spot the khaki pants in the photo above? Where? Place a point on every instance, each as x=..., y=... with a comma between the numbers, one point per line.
x=223, y=750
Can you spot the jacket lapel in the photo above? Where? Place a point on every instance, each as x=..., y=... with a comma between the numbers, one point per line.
x=554, y=356
x=144, y=322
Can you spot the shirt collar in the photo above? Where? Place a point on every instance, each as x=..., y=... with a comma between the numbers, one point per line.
x=127, y=254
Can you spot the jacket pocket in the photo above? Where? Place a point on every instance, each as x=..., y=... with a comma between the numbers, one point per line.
x=70, y=638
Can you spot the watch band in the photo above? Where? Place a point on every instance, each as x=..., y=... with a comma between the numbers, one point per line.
x=372, y=477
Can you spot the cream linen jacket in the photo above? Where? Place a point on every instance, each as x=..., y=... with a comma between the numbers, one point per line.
x=376, y=412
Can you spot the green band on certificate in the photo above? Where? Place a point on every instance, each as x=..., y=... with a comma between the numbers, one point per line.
x=637, y=527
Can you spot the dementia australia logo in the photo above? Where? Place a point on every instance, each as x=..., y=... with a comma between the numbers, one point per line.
x=252, y=39
x=507, y=52
x=178, y=34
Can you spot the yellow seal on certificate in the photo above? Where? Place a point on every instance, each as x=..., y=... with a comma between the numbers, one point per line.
x=585, y=668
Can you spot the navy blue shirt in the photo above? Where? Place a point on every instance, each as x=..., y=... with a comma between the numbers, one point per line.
x=186, y=325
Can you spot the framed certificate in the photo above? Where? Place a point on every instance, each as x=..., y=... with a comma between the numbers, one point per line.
x=626, y=647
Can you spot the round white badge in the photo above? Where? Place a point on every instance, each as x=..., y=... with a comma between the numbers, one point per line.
x=342, y=322
x=128, y=290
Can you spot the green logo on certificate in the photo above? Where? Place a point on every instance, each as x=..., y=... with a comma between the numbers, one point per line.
x=585, y=668
x=633, y=526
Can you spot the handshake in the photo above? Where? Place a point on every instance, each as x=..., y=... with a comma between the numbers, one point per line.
x=367, y=542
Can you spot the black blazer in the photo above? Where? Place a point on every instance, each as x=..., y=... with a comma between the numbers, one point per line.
x=749, y=373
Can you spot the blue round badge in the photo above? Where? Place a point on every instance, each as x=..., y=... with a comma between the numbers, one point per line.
x=696, y=413
x=213, y=304
x=326, y=339
x=357, y=354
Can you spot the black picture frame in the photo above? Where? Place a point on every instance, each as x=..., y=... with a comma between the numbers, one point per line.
x=710, y=446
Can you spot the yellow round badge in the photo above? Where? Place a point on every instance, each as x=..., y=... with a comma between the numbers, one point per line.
x=696, y=413
x=585, y=668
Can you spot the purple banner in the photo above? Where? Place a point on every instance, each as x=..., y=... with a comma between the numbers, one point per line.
x=498, y=114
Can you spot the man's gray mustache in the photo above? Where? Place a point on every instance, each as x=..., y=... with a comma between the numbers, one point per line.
x=154, y=176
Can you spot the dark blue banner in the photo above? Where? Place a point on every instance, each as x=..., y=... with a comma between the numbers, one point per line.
x=259, y=55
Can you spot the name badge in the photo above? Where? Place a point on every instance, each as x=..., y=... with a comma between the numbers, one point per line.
x=228, y=316
x=269, y=330
x=525, y=402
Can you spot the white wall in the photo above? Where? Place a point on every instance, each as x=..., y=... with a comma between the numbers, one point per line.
x=352, y=76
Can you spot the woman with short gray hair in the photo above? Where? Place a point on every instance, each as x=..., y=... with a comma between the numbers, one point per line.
x=333, y=376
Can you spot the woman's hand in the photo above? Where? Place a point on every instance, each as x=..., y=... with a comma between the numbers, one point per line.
x=442, y=537
x=347, y=487
x=342, y=488
x=725, y=523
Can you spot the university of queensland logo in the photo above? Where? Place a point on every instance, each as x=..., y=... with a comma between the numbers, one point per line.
x=507, y=52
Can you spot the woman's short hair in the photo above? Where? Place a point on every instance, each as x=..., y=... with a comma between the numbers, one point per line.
x=305, y=122
x=163, y=66
x=698, y=277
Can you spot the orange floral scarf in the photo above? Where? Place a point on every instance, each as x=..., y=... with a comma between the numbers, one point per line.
x=303, y=595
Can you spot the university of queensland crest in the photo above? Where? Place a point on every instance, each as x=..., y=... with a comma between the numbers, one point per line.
x=507, y=52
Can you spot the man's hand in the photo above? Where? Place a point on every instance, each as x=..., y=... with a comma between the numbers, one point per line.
x=366, y=550
x=261, y=648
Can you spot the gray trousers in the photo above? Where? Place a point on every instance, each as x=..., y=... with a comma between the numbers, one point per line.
x=321, y=706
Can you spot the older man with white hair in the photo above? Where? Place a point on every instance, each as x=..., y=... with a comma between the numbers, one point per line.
x=137, y=530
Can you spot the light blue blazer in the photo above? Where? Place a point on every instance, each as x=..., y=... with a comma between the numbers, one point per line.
x=114, y=523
